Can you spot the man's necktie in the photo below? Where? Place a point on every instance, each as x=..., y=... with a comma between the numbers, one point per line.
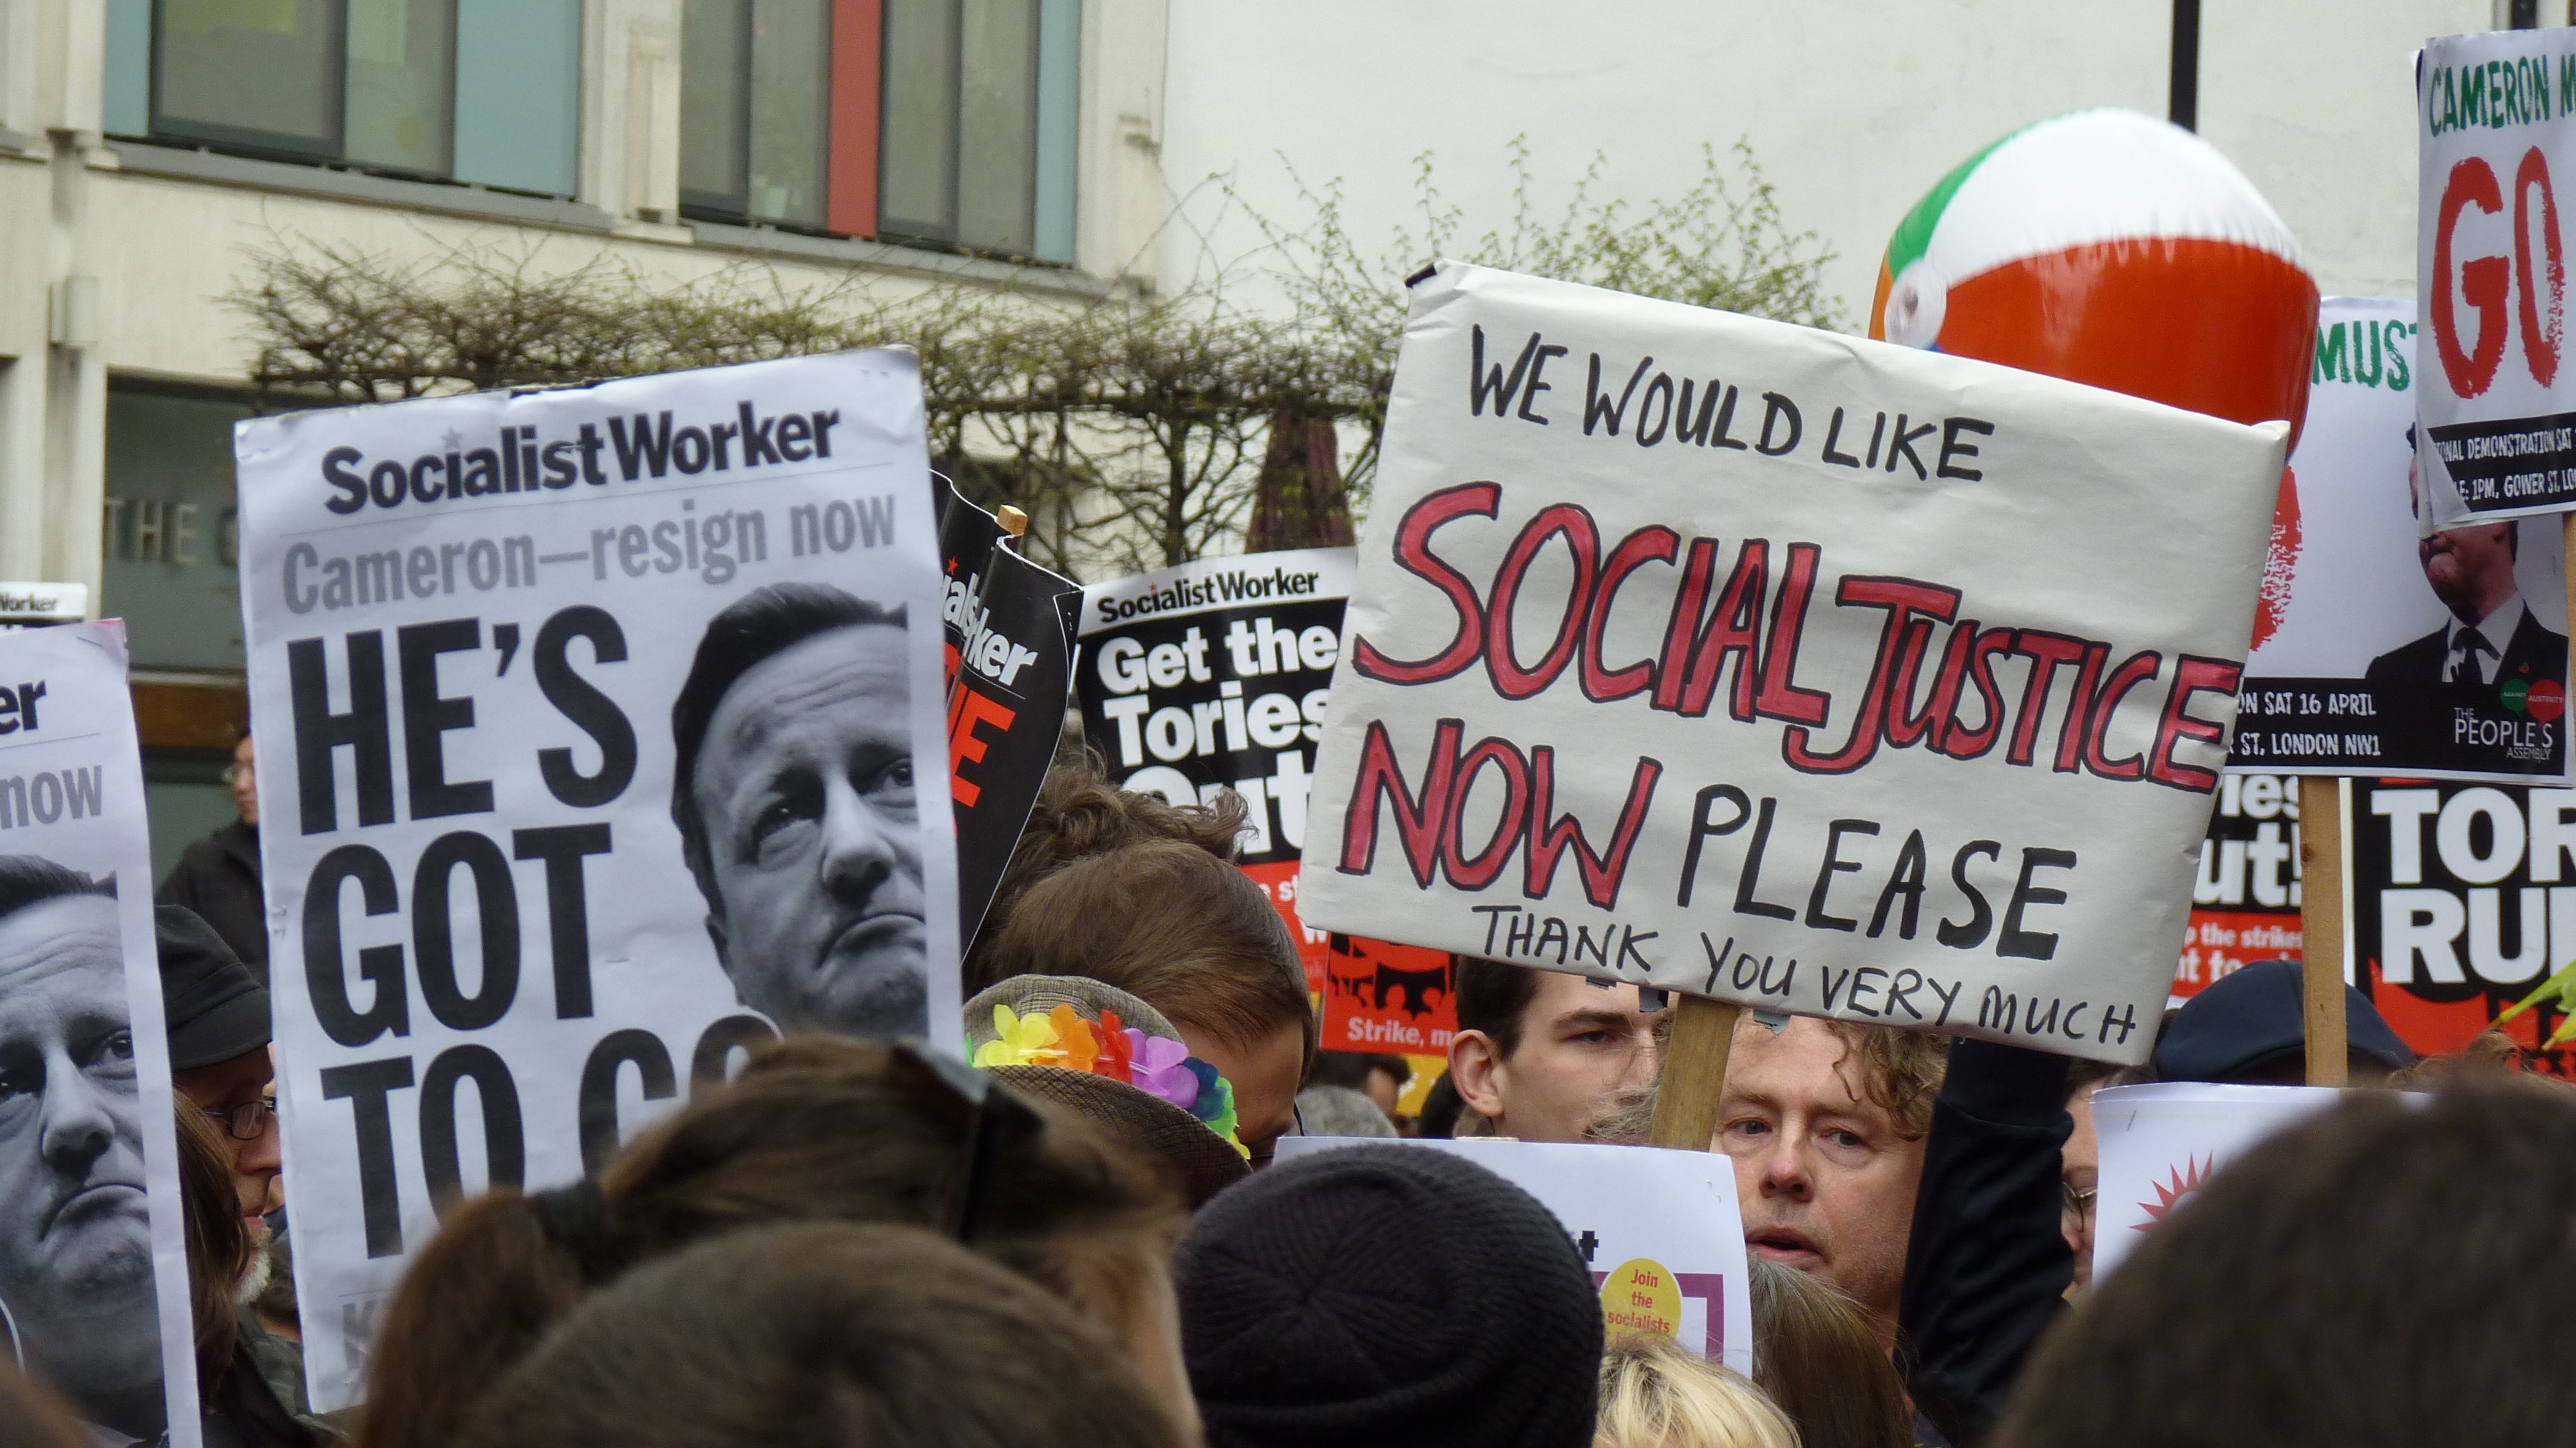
x=2464, y=657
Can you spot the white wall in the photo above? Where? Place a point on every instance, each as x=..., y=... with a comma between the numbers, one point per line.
x=1854, y=108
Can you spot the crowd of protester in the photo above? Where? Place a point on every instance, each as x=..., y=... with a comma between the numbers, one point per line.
x=864, y=1244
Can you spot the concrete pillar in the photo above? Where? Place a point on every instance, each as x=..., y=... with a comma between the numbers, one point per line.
x=53, y=390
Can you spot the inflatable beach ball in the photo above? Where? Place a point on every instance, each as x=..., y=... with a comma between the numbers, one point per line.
x=2113, y=249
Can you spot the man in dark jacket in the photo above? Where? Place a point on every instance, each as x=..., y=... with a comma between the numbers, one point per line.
x=2491, y=636
x=218, y=876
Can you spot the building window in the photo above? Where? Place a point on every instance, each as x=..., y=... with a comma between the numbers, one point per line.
x=961, y=81
x=943, y=123
x=483, y=91
x=755, y=92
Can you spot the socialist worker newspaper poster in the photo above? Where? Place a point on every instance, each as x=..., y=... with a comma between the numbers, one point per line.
x=1213, y=676
x=1009, y=629
x=2245, y=901
x=2463, y=904
x=600, y=736
x=2496, y=130
x=2163, y=1142
x=1785, y=667
x=1660, y=1231
x=94, y=1295
x=2386, y=645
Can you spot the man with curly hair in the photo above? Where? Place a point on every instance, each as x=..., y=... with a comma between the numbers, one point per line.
x=1825, y=1121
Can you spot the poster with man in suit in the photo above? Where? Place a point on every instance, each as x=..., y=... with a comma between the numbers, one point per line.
x=2492, y=636
x=2383, y=645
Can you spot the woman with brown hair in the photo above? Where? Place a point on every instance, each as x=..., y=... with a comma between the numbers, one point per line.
x=239, y=1409
x=815, y=1129
x=823, y=1333
x=1175, y=926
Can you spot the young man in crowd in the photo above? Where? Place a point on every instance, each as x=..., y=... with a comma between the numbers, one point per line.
x=1825, y=1121
x=218, y=876
x=1539, y=1054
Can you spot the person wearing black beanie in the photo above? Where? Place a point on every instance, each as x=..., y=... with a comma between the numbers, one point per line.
x=1392, y=1295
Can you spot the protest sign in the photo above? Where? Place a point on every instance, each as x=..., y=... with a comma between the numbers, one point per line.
x=1659, y=1230
x=93, y=1261
x=2161, y=1142
x=600, y=734
x=2380, y=648
x=1009, y=626
x=2245, y=903
x=36, y=605
x=2464, y=901
x=2496, y=127
x=1984, y=628
x=1213, y=676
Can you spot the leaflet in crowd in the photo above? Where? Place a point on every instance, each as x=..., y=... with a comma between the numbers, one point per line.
x=93, y=1262
x=1009, y=626
x=2245, y=902
x=2382, y=647
x=2463, y=903
x=2496, y=127
x=1785, y=667
x=1213, y=676
x=2161, y=1142
x=601, y=735
x=1660, y=1231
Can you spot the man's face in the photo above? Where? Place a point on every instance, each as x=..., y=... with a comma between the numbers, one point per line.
x=2467, y=566
x=805, y=787
x=1580, y=1044
x=2080, y=1170
x=244, y=782
x=75, y=1233
x=1265, y=1080
x=1825, y=1182
x=242, y=1081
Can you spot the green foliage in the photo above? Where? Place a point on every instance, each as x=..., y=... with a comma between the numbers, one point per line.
x=1721, y=243
x=1132, y=431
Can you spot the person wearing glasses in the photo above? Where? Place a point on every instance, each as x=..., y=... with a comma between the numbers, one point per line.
x=77, y=1308
x=221, y=1061
x=218, y=876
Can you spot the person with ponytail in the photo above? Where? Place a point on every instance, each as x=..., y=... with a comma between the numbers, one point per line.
x=815, y=1129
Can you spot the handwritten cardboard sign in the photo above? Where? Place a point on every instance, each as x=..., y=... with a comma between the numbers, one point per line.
x=1784, y=667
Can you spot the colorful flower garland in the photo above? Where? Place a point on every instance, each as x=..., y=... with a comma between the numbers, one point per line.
x=1156, y=1065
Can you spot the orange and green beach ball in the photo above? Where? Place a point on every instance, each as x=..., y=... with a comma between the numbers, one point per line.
x=2112, y=249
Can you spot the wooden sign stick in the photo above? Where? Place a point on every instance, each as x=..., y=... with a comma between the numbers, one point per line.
x=1694, y=1074
x=2321, y=925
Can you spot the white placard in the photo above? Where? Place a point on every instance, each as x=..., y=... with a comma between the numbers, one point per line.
x=2383, y=647
x=93, y=1251
x=2496, y=122
x=2160, y=1142
x=481, y=631
x=1659, y=1230
x=29, y=605
x=1614, y=691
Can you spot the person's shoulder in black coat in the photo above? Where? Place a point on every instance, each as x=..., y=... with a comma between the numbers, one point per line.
x=2419, y=662
x=218, y=877
x=2534, y=653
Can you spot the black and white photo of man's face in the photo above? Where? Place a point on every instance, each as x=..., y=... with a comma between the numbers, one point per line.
x=805, y=787
x=75, y=1230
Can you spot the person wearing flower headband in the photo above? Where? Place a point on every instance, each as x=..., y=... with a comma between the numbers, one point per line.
x=1173, y=925
x=1118, y=1062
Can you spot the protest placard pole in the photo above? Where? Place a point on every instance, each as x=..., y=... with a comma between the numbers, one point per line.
x=1694, y=1074
x=2321, y=924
